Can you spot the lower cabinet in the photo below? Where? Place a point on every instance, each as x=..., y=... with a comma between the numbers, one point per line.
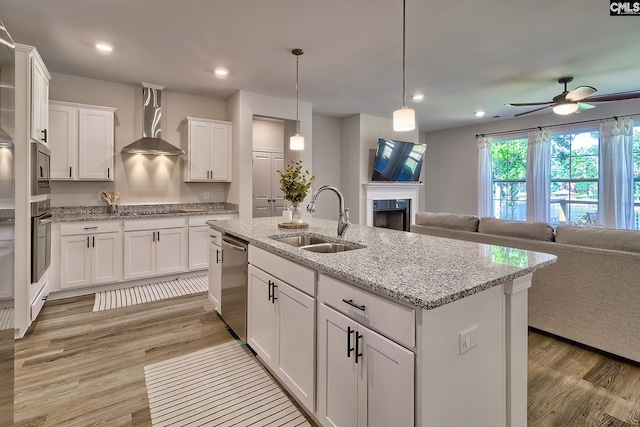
x=90, y=257
x=153, y=250
x=6, y=262
x=364, y=379
x=281, y=330
x=215, y=269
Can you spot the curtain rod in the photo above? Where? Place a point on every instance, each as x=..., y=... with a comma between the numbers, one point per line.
x=505, y=132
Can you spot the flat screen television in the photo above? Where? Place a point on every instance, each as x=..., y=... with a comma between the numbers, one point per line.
x=398, y=161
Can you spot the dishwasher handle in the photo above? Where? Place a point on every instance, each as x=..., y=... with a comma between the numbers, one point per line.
x=232, y=246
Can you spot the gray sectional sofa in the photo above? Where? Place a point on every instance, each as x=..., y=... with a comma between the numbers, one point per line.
x=591, y=295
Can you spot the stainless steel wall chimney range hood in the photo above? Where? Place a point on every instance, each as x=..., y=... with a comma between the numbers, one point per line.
x=151, y=141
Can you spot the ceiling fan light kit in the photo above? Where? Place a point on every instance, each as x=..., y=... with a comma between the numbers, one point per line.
x=569, y=102
x=404, y=119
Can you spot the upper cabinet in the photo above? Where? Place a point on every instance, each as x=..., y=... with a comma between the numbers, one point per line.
x=81, y=141
x=38, y=100
x=208, y=150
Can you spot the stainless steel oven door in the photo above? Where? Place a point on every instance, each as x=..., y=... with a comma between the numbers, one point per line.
x=40, y=169
x=41, y=220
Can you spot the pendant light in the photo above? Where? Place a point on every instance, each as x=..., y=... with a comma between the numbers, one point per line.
x=404, y=119
x=296, y=142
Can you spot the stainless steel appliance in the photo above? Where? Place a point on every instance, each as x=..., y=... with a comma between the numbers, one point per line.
x=234, y=285
x=40, y=169
x=41, y=219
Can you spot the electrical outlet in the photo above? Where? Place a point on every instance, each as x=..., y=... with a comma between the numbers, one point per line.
x=468, y=339
x=206, y=195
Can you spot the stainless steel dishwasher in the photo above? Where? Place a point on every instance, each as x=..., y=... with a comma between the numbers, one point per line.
x=233, y=299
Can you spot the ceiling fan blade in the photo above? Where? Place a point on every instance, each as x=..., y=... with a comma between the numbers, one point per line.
x=583, y=107
x=528, y=104
x=580, y=93
x=531, y=111
x=614, y=97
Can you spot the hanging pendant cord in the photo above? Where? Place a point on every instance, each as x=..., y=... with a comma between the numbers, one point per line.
x=404, y=18
x=297, y=104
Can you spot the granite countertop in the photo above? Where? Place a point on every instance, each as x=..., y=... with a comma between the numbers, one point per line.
x=100, y=213
x=425, y=271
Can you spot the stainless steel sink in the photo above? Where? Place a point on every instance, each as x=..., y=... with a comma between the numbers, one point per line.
x=302, y=240
x=330, y=247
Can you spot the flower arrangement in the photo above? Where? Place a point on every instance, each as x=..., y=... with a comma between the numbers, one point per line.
x=294, y=183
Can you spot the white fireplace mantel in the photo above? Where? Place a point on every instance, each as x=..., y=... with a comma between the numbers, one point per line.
x=389, y=191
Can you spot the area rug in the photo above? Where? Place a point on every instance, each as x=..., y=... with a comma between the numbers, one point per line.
x=140, y=294
x=219, y=386
x=6, y=318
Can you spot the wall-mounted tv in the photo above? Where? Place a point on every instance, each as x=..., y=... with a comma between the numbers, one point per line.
x=398, y=161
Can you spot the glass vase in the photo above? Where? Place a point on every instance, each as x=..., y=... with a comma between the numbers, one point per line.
x=297, y=213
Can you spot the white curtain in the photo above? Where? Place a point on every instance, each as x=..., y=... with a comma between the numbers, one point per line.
x=615, y=183
x=485, y=179
x=538, y=175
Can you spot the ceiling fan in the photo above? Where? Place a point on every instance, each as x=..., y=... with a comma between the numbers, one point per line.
x=570, y=101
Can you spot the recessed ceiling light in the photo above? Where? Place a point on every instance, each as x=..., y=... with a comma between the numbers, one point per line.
x=104, y=47
x=418, y=97
x=221, y=72
x=479, y=113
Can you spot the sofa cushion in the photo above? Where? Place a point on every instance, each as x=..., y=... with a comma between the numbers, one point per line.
x=524, y=230
x=602, y=238
x=450, y=221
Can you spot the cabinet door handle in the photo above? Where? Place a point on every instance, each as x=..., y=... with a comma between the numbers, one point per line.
x=69, y=171
x=353, y=304
x=270, y=284
x=349, y=348
x=154, y=236
x=108, y=172
x=45, y=135
x=217, y=256
x=158, y=236
x=41, y=172
x=273, y=296
x=90, y=228
x=358, y=354
x=87, y=241
x=93, y=241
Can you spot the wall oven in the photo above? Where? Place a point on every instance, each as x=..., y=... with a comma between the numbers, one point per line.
x=41, y=219
x=40, y=169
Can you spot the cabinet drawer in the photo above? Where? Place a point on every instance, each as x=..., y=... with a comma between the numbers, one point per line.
x=38, y=303
x=88, y=227
x=196, y=220
x=296, y=275
x=215, y=237
x=391, y=319
x=154, y=223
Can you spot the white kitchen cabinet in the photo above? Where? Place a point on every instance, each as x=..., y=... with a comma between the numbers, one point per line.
x=154, y=247
x=90, y=254
x=39, y=99
x=82, y=141
x=281, y=330
x=208, y=156
x=215, y=269
x=268, y=198
x=199, y=233
x=6, y=262
x=364, y=379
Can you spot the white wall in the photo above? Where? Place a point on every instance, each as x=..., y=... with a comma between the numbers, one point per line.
x=138, y=179
x=268, y=134
x=241, y=109
x=326, y=162
x=451, y=165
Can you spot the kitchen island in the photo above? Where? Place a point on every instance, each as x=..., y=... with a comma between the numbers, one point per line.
x=454, y=311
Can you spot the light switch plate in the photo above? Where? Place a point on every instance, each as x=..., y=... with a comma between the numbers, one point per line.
x=468, y=339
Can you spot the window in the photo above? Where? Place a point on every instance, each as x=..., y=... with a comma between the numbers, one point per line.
x=636, y=177
x=574, y=178
x=508, y=165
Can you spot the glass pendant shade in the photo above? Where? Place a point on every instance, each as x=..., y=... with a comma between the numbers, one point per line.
x=404, y=119
x=566, y=108
x=296, y=142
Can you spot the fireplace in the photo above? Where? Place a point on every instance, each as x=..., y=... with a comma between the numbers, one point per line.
x=383, y=191
x=394, y=213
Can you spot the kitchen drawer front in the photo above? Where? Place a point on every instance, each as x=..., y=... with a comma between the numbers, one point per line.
x=215, y=236
x=296, y=275
x=395, y=321
x=197, y=220
x=154, y=223
x=88, y=227
x=38, y=303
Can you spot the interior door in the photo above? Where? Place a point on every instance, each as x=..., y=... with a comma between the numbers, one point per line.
x=262, y=184
x=277, y=196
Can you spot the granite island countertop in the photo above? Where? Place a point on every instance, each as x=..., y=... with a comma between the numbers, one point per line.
x=100, y=213
x=422, y=270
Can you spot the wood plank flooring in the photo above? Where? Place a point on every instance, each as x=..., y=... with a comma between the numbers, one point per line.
x=79, y=368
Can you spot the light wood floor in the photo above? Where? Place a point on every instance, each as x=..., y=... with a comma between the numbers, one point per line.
x=79, y=368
